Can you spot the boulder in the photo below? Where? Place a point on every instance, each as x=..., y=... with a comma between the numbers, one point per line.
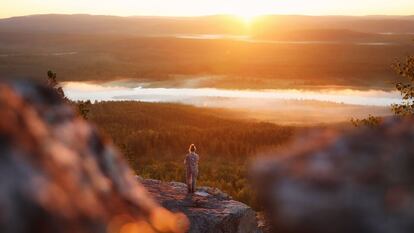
x=58, y=173
x=332, y=182
x=209, y=209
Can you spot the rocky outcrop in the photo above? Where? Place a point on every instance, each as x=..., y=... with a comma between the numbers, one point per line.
x=362, y=181
x=209, y=210
x=59, y=174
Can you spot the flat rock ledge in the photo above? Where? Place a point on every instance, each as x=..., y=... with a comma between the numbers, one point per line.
x=209, y=210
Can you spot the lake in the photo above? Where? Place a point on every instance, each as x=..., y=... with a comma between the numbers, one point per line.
x=109, y=91
x=249, y=39
x=279, y=105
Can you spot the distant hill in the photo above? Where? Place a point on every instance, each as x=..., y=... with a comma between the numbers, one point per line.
x=264, y=26
x=149, y=26
x=368, y=24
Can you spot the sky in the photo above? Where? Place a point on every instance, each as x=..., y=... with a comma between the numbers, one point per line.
x=244, y=8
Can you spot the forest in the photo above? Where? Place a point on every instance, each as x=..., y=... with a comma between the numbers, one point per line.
x=155, y=138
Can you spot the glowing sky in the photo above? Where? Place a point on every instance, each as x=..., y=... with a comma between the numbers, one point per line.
x=245, y=8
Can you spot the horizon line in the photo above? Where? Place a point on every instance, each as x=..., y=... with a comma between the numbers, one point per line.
x=204, y=15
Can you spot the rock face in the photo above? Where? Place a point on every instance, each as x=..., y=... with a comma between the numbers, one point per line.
x=209, y=210
x=59, y=174
x=362, y=181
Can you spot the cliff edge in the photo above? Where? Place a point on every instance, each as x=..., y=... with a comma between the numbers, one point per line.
x=59, y=174
x=209, y=210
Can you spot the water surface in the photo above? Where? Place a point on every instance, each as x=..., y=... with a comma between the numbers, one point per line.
x=48, y=54
x=262, y=41
x=282, y=106
x=108, y=92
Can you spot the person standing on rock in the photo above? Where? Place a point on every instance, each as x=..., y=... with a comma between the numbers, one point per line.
x=191, y=166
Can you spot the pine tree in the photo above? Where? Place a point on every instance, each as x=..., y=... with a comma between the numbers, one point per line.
x=53, y=83
x=405, y=69
x=82, y=106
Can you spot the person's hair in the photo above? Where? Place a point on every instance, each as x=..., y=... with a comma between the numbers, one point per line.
x=192, y=148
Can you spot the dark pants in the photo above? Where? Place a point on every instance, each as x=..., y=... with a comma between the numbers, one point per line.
x=191, y=181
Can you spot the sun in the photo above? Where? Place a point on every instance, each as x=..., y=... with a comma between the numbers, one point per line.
x=247, y=11
x=247, y=17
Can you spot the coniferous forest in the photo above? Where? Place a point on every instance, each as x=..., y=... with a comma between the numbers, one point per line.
x=154, y=138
